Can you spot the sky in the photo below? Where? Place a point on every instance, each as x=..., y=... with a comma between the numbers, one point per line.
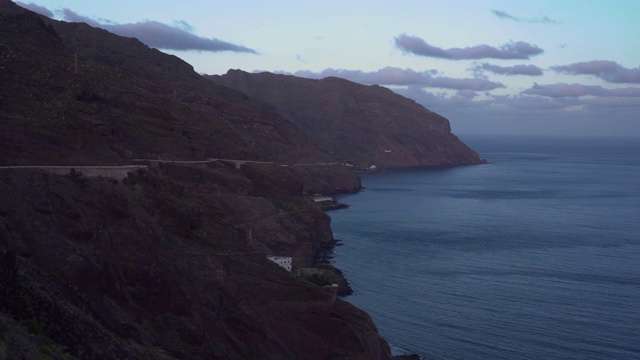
x=542, y=67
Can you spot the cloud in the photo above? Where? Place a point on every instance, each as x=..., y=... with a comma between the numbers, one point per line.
x=36, y=8
x=71, y=16
x=577, y=90
x=467, y=94
x=612, y=102
x=526, y=114
x=530, y=70
x=159, y=35
x=523, y=114
x=403, y=77
x=609, y=71
x=464, y=84
x=464, y=105
x=536, y=20
x=511, y=50
x=534, y=103
x=181, y=24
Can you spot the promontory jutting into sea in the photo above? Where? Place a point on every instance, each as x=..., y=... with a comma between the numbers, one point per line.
x=523, y=258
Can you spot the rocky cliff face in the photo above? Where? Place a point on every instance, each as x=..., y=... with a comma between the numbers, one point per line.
x=158, y=265
x=73, y=94
x=365, y=125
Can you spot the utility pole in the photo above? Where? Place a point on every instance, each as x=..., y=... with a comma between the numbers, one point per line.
x=75, y=62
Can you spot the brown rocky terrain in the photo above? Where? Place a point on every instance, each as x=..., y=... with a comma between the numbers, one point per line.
x=169, y=262
x=363, y=125
x=158, y=265
x=73, y=95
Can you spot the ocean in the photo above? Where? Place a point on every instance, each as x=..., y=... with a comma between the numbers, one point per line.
x=535, y=255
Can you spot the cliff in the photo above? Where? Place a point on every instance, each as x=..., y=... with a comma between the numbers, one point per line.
x=363, y=125
x=170, y=261
x=158, y=267
x=76, y=95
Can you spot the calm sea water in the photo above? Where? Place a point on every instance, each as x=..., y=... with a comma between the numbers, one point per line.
x=534, y=256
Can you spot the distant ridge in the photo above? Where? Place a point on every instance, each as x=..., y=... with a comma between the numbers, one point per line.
x=366, y=125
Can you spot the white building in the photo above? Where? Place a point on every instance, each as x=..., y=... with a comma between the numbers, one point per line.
x=283, y=261
x=321, y=198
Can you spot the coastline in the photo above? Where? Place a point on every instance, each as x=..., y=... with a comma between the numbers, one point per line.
x=324, y=257
x=575, y=163
x=336, y=206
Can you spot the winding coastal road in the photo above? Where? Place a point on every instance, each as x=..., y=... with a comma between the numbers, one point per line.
x=117, y=172
x=120, y=172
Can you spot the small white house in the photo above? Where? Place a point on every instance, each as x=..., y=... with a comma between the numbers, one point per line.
x=283, y=261
x=321, y=198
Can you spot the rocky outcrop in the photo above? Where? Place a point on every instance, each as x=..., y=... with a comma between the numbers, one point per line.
x=358, y=124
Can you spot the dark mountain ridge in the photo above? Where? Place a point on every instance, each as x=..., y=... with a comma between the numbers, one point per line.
x=109, y=99
x=112, y=91
x=364, y=125
x=169, y=262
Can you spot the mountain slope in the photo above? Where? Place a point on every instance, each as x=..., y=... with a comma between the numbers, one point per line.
x=159, y=265
x=87, y=94
x=367, y=125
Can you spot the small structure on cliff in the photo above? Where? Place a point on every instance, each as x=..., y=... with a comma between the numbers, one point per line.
x=333, y=290
x=283, y=261
x=319, y=199
x=328, y=203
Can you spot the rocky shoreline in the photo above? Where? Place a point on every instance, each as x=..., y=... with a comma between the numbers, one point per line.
x=336, y=206
x=322, y=260
x=171, y=261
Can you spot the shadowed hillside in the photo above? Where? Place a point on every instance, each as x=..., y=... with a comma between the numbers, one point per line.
x=85, y=94
x=170, y=261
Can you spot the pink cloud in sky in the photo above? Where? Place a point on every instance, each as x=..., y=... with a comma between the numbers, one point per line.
x=160, y=35
x=609, y=71
x=512, y=50
x=399, y=77
x=529, y=70
x=576, y=90
x=36, y=8
x=533, y=20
